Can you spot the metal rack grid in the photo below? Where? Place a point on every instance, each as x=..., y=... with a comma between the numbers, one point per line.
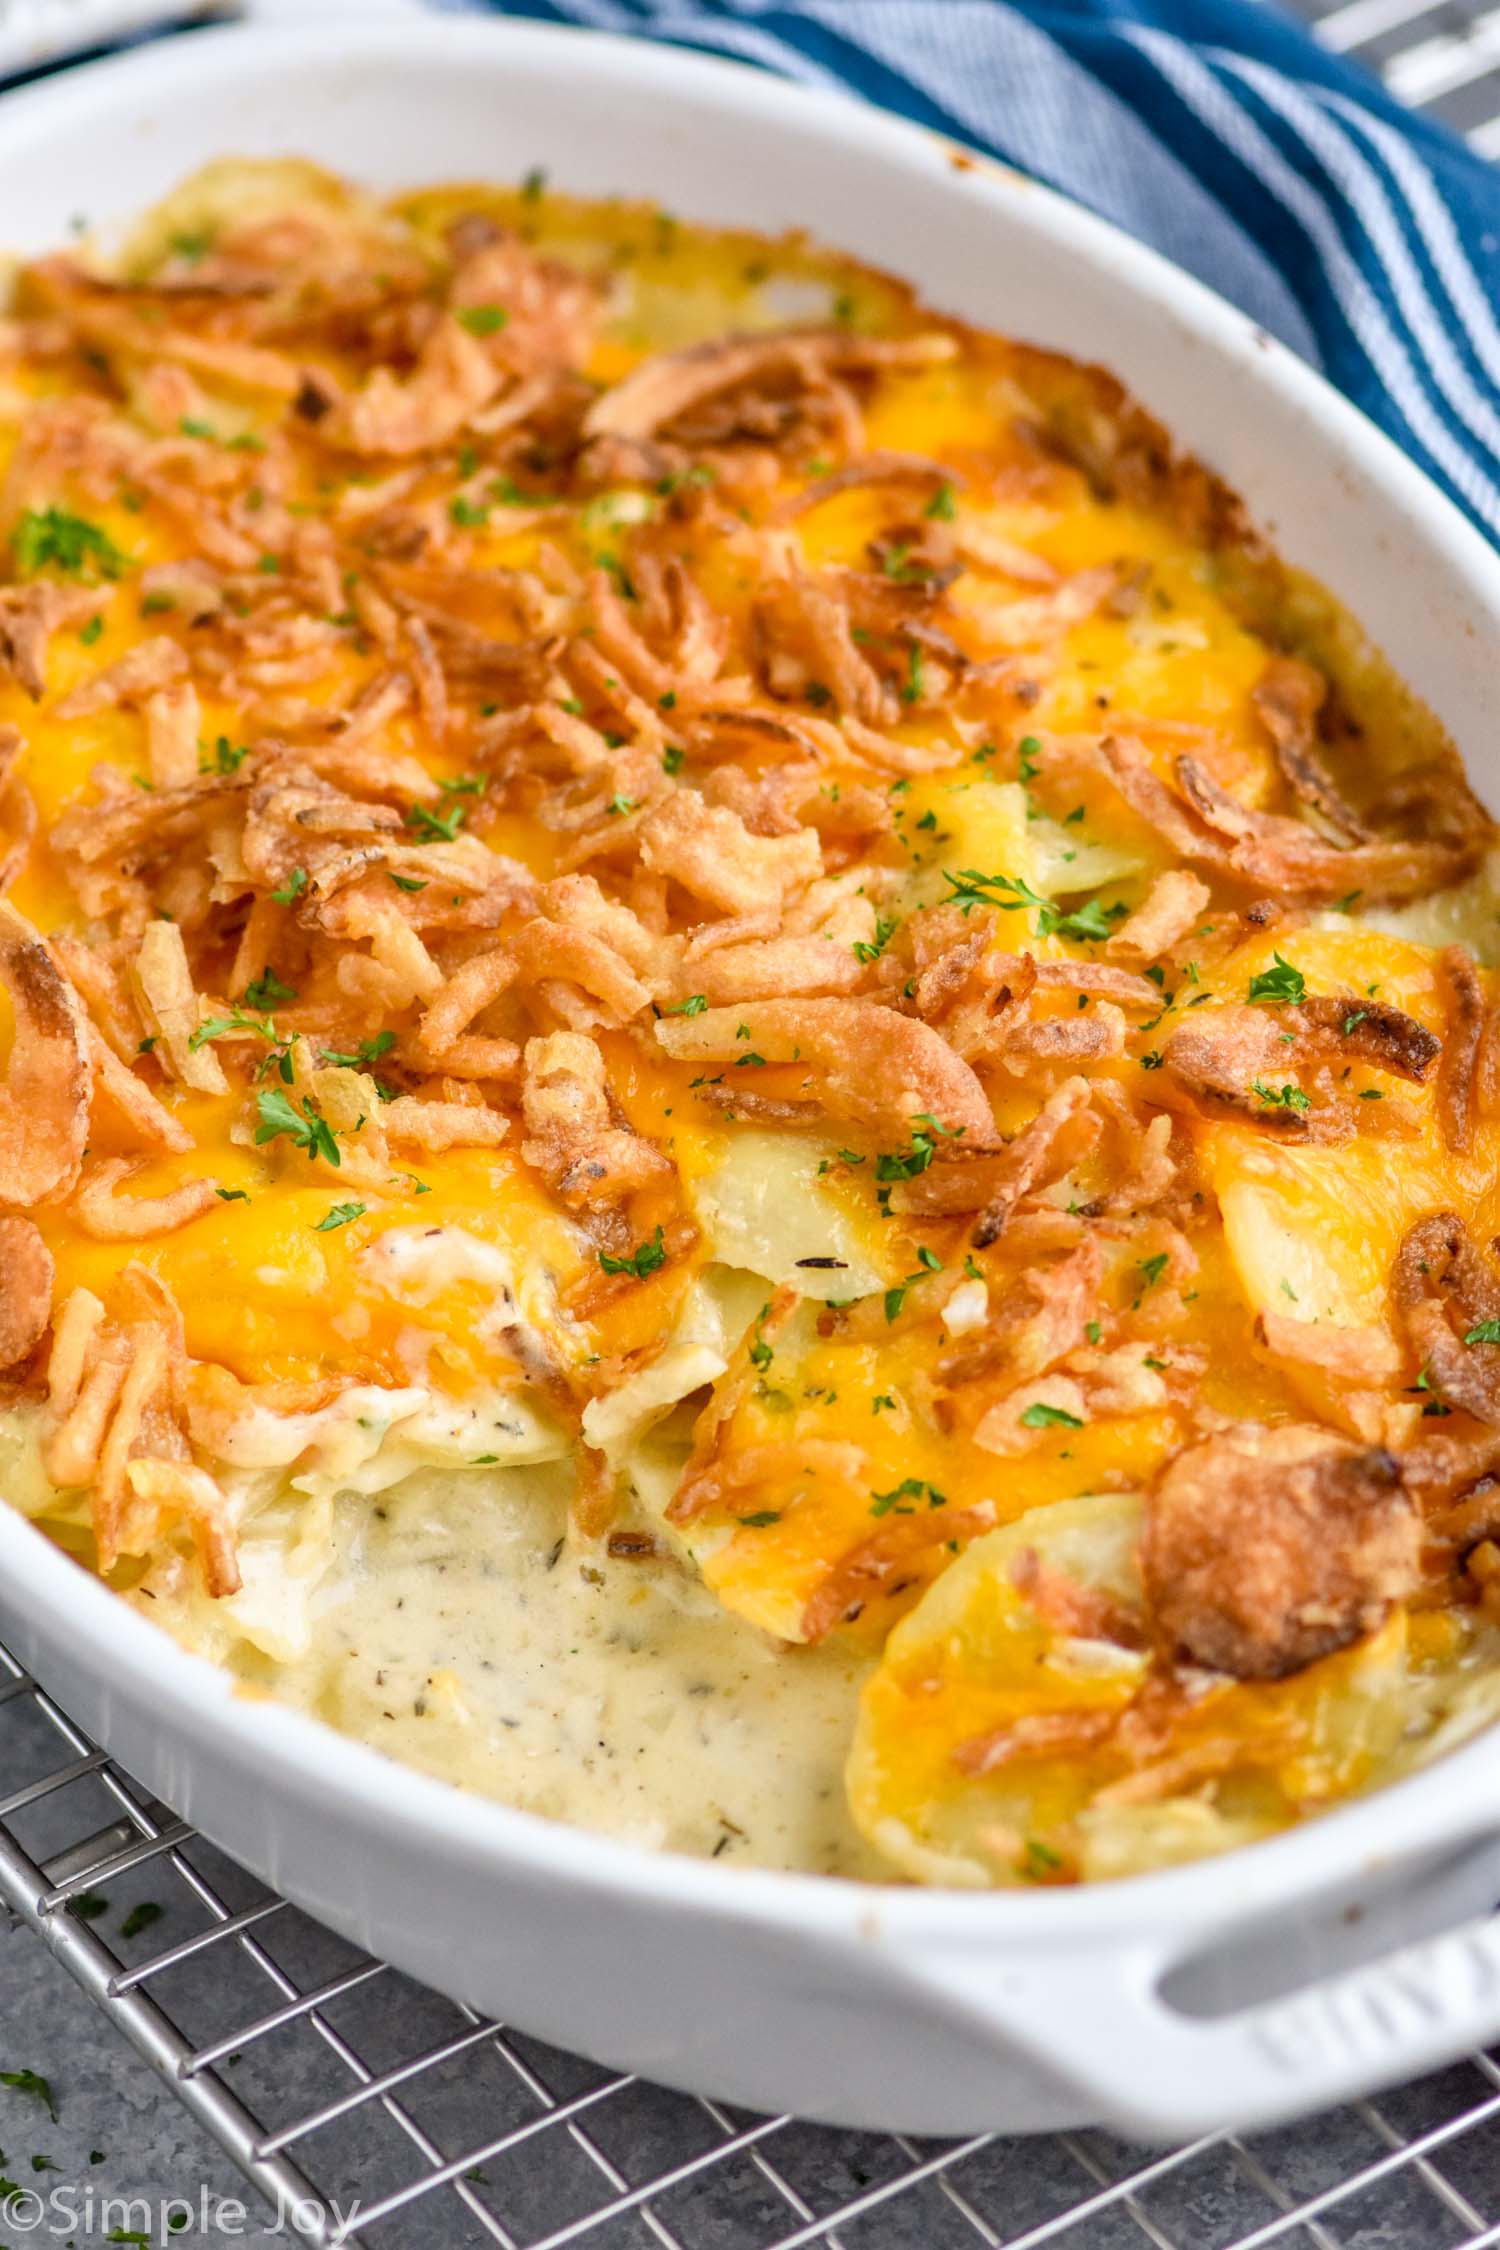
x=431, y=2116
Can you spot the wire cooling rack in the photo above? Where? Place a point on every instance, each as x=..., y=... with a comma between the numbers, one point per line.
x=432, y=2127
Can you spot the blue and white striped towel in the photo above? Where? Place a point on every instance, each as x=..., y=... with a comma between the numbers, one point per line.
x=1366, y=238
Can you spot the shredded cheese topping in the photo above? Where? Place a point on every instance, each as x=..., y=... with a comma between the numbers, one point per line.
x=790, y=916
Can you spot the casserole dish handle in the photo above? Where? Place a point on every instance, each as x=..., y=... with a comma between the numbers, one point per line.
x=1101, y=2020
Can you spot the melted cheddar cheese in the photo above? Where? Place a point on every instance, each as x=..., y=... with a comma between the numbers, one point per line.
x=729, y=993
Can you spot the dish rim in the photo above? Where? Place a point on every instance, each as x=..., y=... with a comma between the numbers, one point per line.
x=309, y=1755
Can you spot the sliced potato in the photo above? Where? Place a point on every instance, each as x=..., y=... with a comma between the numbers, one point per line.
x=1313, y=1229
x=984, y=1751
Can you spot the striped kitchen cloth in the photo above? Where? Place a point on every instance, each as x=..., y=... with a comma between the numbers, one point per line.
x=1366, y=238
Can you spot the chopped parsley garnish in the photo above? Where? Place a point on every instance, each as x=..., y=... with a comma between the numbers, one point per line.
x=1029, y=752
x=483, y=320
x=693, y=1005
x=672, y=759
x=761, y=1353
x=870, y=949
x=1487, y=1332
x=1093, y=1331
x=306, y=1128
x=406, y=882
x=762, y=1518
x=895, y=1297
x=340, y=1215
x=228, y=756
x=1042, y=1417
x=231, y=1195
x=940, y=506
x=1281, y=984
x=646, y=1258
x=971, y=888
x=1152, y=1268
x=1280, y=1097
x=71, y=544
x=534, y=186
x=368, y=1051
x=90, y=632
x=910, y=1489
x=219, y=1027
x=141, y=1918
x=468, y=514
x=907, y=1163
x=916, y=676
x=293, y=887
x=267, y=990
x=436, y=828
x=1350, y=1022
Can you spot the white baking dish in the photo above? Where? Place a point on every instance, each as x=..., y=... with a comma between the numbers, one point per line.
x=1142, y=2003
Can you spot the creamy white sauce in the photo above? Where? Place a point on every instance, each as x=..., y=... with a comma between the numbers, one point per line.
x=457, y=1630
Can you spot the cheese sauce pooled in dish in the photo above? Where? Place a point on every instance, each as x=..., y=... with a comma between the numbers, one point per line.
x=753, y=1094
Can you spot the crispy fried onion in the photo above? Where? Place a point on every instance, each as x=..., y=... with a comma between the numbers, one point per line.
x=1282, y=1069
x=1286, y=858
x=1466, y=1023
x=1447, y=1295
x=1288, y=697
x=583, y=1147
x=108, y=1216
x=26, y=1293
x=1174, y=904
x=710, y=1473
x=1057, y=1138
x=1042, y=1318
x=861, y=1061
x=880, y=1562
x=667, y=387
x=1264, y=1549
x=115, y=1425
x=162, y=1490
x=44, y=1104
x=30, y=615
